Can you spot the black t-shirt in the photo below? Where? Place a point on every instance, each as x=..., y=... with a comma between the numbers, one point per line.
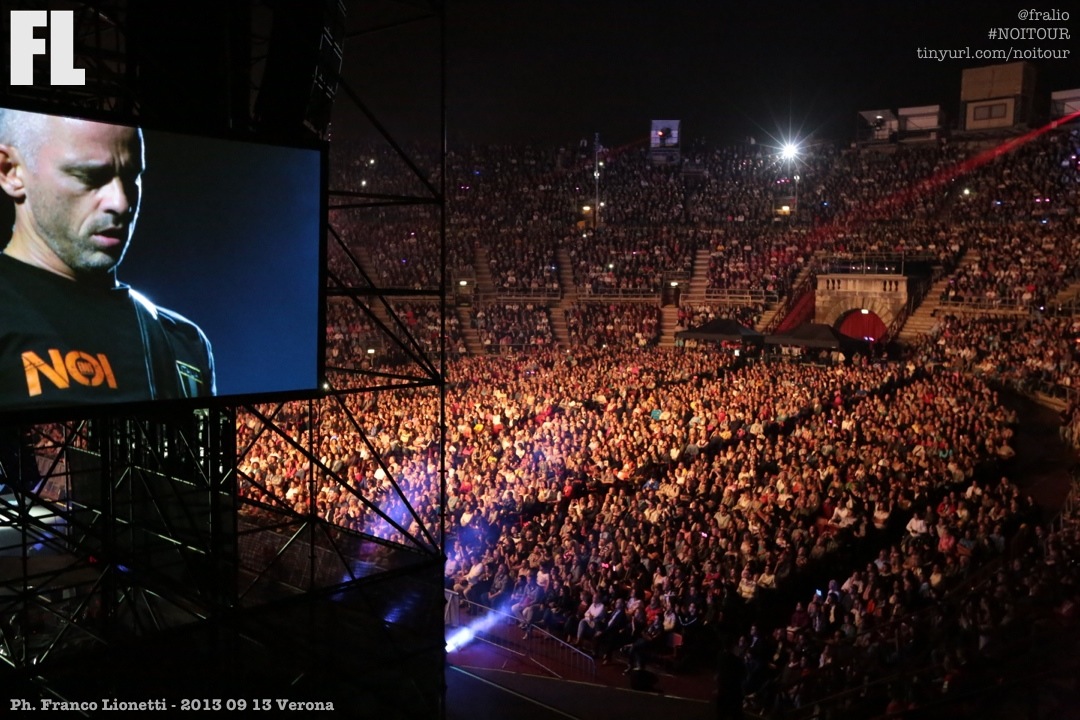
x=69, y=343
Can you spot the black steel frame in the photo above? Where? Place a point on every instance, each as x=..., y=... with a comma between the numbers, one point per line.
x=136, y=535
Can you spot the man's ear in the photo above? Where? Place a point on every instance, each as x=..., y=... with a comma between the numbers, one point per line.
x=11, y=173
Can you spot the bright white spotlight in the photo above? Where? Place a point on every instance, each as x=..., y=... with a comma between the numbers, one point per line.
x=459, y=639
x=789, y=151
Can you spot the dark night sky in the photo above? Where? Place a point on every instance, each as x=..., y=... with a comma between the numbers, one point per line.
x=558, y=70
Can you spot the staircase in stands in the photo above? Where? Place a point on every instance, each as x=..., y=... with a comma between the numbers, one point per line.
x=468, y=332
x=1070, y=295
x=792, y=311
x=669, y=321
x=485, y=284
x=696, y=295
x=767, y=318
x=566, y=301
x=925, y=319
x=363, y=257
x=483, y=291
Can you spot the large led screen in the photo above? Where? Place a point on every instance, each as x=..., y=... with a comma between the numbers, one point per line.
x=143, y=265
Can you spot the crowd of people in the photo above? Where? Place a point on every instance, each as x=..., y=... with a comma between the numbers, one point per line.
x=595, y=324
x=1015, y=216
x=425, y=324
x=506, y=326
x=692, y=316
x=354, y=340
x=937, y=242
x=1034, y=181
x=1033, y=352
x=896, y=611
x=746, y=258
x=350, y=332
x=614, y=260
x=660, y=481
x=615, y=494
x=524, y=260
x=636, y=192
x=896, y=183
x=1022, y=264
x=746, y=183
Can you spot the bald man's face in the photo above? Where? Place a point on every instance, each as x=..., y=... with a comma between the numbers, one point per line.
x=82, y=190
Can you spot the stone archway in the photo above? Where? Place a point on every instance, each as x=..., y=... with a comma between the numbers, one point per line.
x=863, y=324
x=837, y=296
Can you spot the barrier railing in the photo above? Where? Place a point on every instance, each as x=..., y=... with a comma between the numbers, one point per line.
x=586, y=292
x=514, y=348
x=869, y=257
x=1067, y=308
x=872, y=263
x=1001, y=304
x=916, y=293
x=501, y=629
x=508, y=294
x=1070, y=507
x=730, y=296
x=808, y=284
x=1032, y=387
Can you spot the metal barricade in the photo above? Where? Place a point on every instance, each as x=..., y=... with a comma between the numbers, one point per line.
x=501, y=629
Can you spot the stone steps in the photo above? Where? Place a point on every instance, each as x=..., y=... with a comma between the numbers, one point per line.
x=669, y=322
x=468, y=332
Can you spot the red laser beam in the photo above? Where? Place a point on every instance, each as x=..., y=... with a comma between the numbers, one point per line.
x=885, y=207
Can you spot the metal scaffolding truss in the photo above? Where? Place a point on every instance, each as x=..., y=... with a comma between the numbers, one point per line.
x=401, y=363
x=157, y=535
x=123, y=535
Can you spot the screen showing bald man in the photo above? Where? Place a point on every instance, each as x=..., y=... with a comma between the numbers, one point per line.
x=81, y=323
x=71, y=331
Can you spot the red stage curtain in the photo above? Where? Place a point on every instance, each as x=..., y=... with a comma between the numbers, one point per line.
x=861, y=326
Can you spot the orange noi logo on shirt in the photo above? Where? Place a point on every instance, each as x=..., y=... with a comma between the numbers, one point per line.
x=76, y=366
